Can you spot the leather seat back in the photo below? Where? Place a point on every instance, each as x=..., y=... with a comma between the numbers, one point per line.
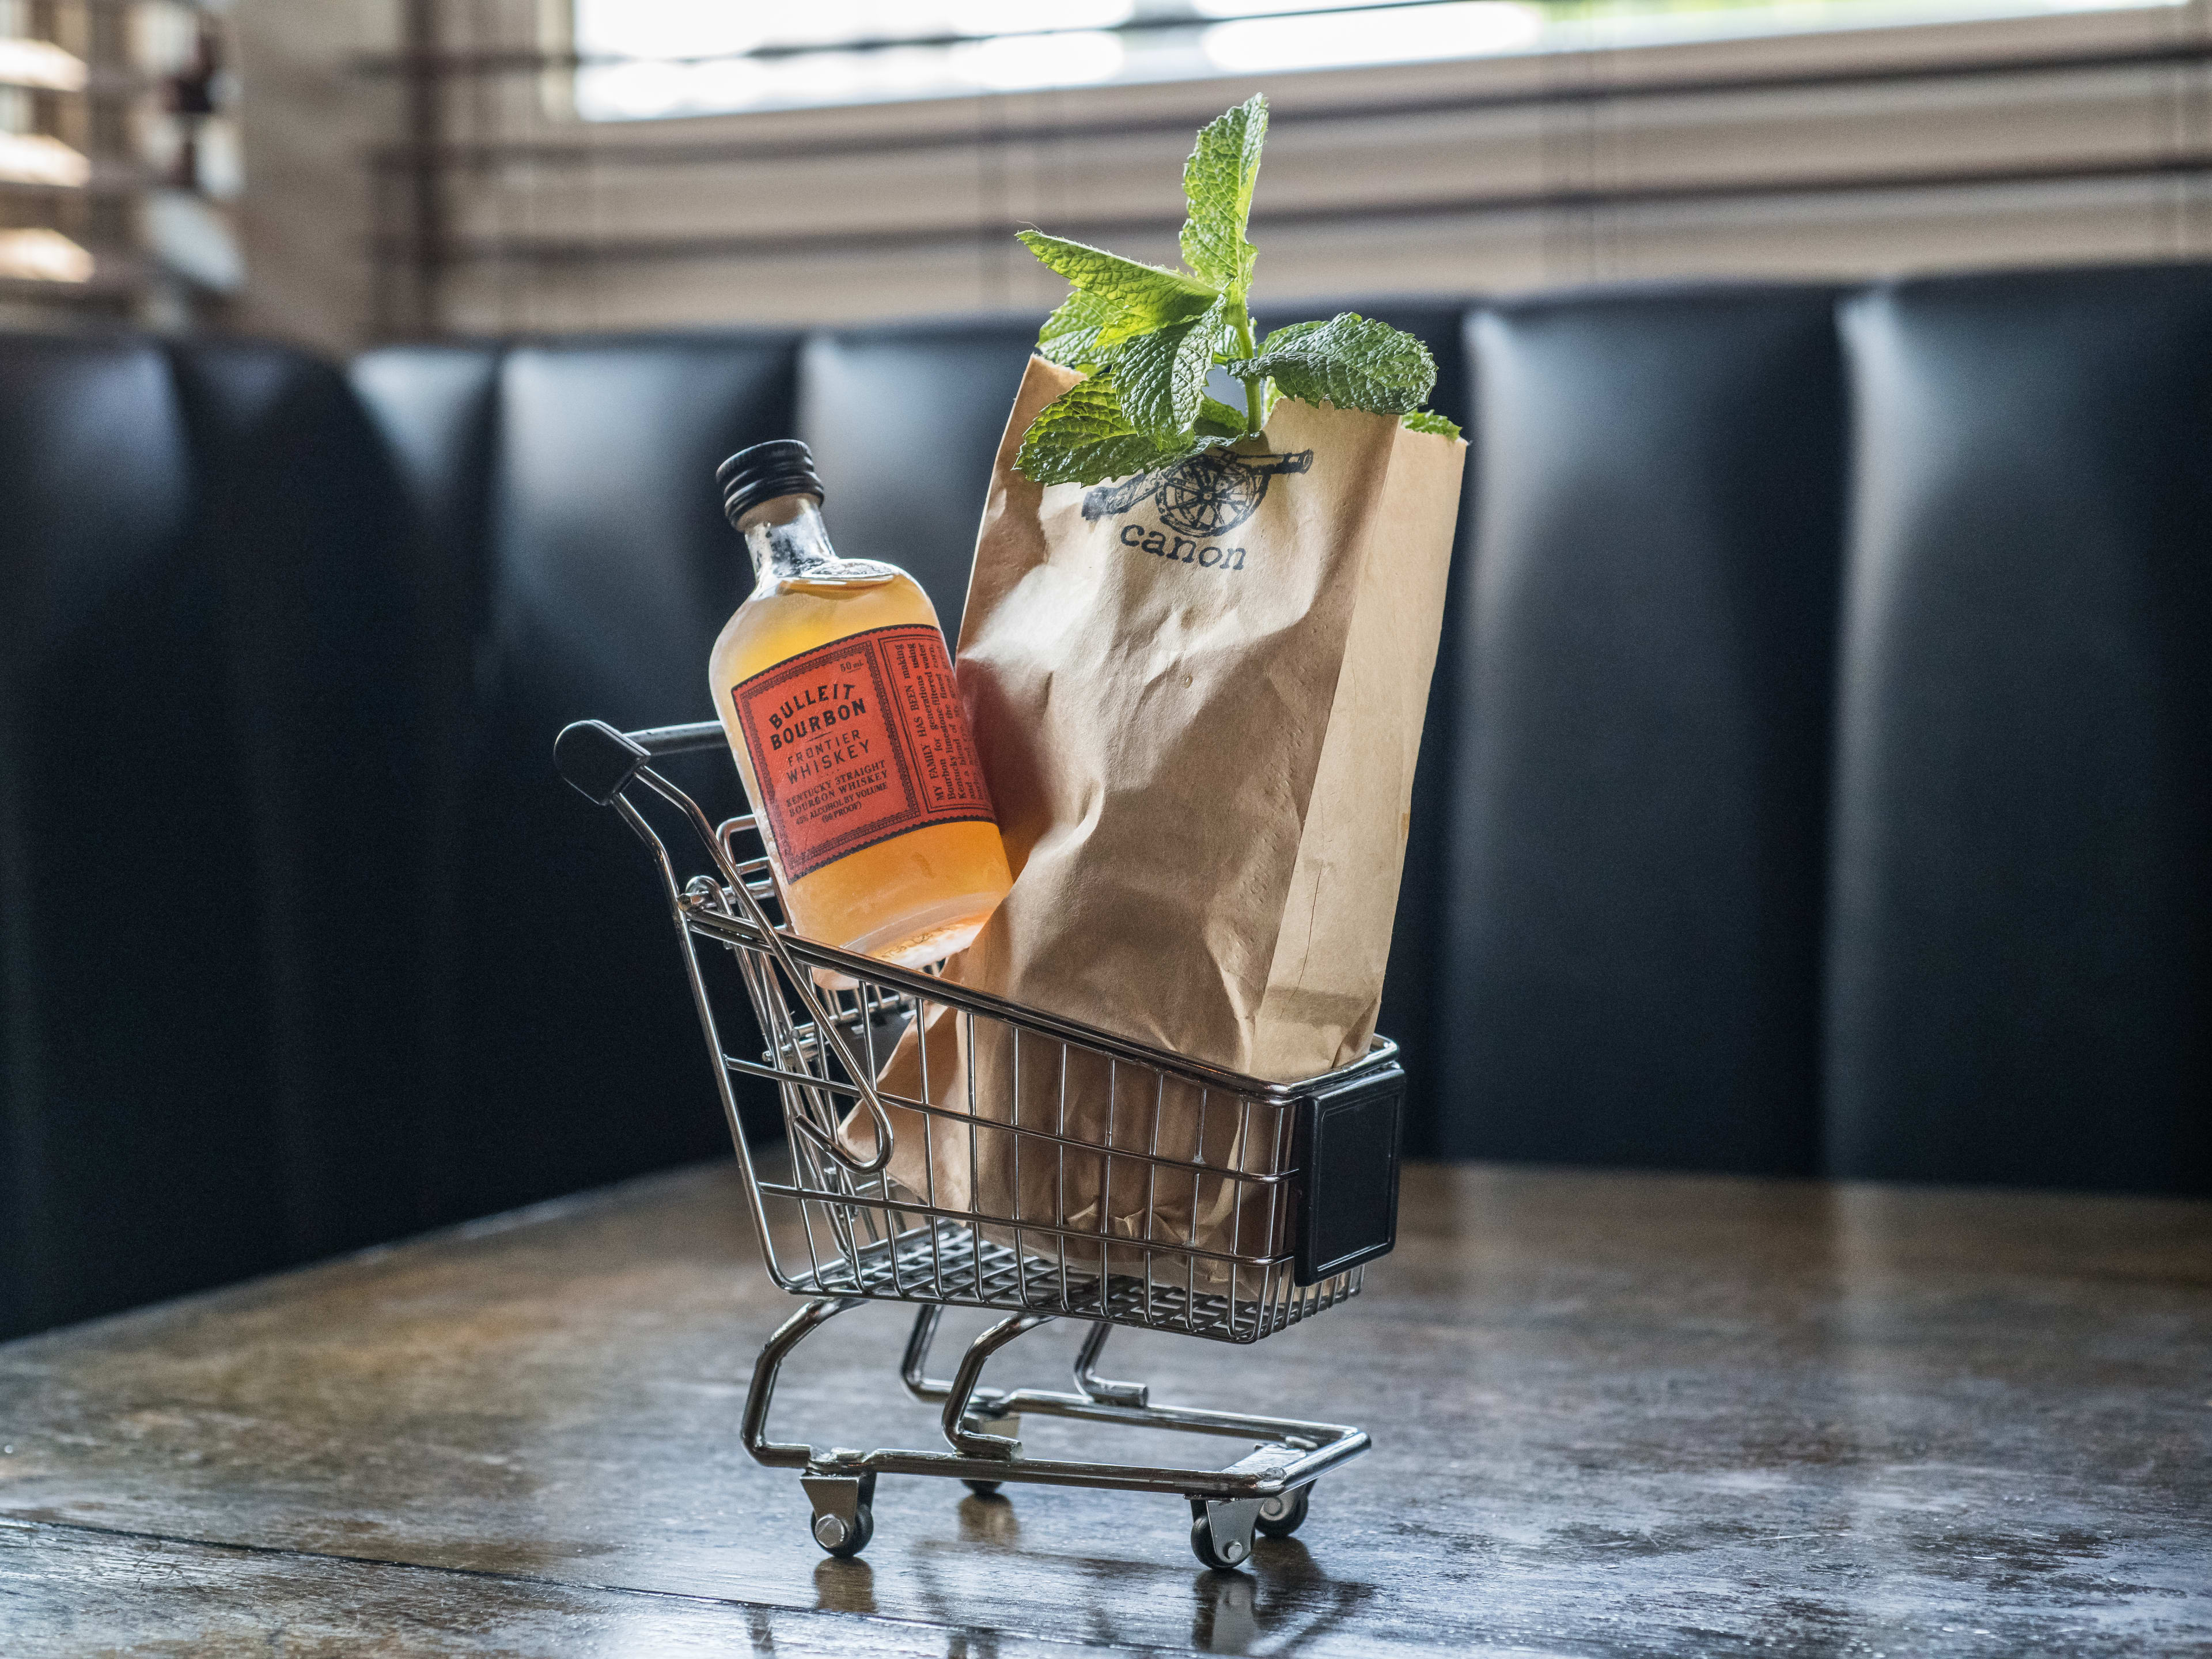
x=585, y=571
x=205, y=778
x=2020, y=952
x=1637, y=763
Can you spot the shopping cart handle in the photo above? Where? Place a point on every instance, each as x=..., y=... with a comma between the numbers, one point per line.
x=600, y=761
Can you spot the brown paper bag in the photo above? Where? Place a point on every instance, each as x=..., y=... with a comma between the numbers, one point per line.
x=1198, y=697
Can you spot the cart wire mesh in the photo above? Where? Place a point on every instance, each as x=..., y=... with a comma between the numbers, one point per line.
x=1002, y=1159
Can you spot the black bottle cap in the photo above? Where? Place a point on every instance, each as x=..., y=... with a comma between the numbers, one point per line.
x=784, y=466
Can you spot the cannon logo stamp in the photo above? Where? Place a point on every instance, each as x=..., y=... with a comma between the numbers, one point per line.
x=1212, y=492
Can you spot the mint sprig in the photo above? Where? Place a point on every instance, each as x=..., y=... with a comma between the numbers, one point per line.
x=1349, y=361
x=1085, y=436
x=1146, y=337
x=1218, y=182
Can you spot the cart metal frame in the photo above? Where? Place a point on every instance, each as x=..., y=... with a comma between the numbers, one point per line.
x=1280, y=1247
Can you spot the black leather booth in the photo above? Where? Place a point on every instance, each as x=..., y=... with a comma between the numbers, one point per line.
x=1818, y=778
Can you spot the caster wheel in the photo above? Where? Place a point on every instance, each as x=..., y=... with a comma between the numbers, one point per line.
x=843, y=1540
x=983, y=1488
x=1202, y=1544
x=1285, y=1513
x=1221, y=1559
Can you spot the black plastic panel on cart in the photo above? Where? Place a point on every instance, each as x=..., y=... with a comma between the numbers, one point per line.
x=1349, y=1210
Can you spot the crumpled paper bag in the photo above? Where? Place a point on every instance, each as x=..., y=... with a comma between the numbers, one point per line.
x=1198, y=697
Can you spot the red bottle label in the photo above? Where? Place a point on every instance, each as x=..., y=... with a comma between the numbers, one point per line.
x=857, y=741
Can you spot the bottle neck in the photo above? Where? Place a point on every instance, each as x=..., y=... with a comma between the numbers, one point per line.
x=787, y=537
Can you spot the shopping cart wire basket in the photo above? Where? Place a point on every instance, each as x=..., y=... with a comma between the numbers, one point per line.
x=1256, y=1213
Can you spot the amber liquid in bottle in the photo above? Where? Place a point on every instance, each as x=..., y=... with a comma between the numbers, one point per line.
x=859, y=745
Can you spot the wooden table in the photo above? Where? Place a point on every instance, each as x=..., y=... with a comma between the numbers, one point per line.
x=1611, y=1413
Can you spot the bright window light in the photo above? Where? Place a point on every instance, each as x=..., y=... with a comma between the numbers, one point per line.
x=1021, y=16
x=1014, y=63
x=643, y=60
x=1280, y=8
x=667, y=28
x=41, y=64
x=33, y=158
x=43, y=256
x=1478, y=28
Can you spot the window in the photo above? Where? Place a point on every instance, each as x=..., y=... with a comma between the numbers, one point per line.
x=645, y=59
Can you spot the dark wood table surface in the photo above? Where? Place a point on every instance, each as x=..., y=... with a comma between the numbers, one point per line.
x=1611, y=1413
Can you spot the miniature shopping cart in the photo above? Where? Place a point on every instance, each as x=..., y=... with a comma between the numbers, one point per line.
x=1300, y=1190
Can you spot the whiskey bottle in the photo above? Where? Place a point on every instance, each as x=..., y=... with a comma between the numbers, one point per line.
x=834, y=685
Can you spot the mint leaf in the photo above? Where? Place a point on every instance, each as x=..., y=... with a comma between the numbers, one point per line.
x=1427, y=420
x=1162, y=374
x=1144, y=297
x=1348, y=361
x=1218, y=181
x=1070, y=335
x=1083, y=436
x=1217, y=420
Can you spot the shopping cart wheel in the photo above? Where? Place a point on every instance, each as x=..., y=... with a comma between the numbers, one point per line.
x=983, y=1488
x=844, y=1512
x=1221, y=1533
x=844, y=1538
x=1286, y=1512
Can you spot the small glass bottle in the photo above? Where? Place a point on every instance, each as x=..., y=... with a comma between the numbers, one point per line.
x=833, y=682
